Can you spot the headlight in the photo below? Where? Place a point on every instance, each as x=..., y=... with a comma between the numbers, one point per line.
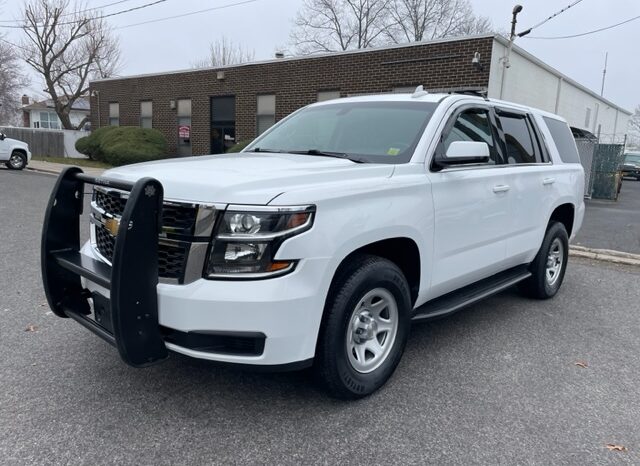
x=247, y=239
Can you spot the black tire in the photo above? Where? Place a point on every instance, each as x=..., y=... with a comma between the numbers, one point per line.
x=364, y=276
x=540, y=285
x=17, y=161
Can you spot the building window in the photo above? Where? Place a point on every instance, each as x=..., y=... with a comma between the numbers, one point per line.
x=49, y=120
x=114, y=114
x=184, y=126
x=266, y=112
x=146, y=114
x=323, y=96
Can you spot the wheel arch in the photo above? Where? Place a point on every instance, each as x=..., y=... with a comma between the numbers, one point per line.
x=565, y=214
x=402, y=251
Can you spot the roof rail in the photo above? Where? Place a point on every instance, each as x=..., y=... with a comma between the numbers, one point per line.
x=477, y=93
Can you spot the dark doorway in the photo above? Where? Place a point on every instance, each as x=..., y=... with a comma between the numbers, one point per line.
x=223, y=123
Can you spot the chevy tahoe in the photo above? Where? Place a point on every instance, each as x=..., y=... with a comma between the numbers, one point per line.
x=324, y=240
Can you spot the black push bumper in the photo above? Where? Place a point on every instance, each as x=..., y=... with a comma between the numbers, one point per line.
x=129, y=317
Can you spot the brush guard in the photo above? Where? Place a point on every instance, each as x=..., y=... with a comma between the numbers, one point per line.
x=130, y=313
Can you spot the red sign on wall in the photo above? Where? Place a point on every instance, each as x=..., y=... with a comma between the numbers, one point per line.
x=184, y=131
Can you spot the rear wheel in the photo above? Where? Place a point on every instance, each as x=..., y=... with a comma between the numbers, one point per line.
x=365, y=327
x=549, y=266
x=17, y=161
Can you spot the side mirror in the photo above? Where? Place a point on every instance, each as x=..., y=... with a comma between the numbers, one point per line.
x=2, y=136
x=465, y=152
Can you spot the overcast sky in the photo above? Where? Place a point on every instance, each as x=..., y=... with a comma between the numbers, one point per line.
x=264, y=25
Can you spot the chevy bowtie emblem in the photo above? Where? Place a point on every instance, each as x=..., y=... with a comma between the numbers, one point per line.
x=112, y=225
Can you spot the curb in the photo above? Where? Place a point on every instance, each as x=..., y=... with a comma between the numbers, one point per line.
x=41, y=170
x=606, y=255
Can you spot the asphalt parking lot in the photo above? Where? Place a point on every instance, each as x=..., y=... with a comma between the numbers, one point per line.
x=495, y=384
x=613, y=224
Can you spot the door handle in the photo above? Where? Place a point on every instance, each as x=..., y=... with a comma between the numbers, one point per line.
x=547, y=181
x=501, y=188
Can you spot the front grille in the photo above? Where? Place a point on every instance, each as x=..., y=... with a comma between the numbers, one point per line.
x=178, y=225
x=174, y=217
x=172, y=259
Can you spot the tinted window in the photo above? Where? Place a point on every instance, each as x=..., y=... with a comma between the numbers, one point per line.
x=519, y=140
x=563, y=139
x=378, y=132
x=472, y=125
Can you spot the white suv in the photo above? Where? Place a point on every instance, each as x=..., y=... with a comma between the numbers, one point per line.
x=15, y=154
x=325, y=239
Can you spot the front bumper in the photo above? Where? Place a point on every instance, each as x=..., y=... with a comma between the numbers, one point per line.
x=631, y=172
x=268, y=323
x=286, y=310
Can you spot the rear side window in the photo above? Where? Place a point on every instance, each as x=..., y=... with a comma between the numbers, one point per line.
x=519, y=139
x=563, y=139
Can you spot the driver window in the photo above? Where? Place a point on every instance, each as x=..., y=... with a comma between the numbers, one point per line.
x=472, y=125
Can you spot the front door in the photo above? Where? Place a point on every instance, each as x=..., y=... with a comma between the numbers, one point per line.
x=223, y=124
x=4, y=149
x=471, y=205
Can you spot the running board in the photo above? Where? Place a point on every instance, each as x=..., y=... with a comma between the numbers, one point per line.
x=456, y=300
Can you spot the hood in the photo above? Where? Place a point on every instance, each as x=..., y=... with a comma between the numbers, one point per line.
x=16, y=142
x=246, y=178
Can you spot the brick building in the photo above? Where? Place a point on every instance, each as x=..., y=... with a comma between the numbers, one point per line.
x=202, y=111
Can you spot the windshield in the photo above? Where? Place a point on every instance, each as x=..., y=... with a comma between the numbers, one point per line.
x=375, y=132
x=635, y=158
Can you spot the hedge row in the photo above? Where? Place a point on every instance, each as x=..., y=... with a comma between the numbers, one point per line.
x=122, y=145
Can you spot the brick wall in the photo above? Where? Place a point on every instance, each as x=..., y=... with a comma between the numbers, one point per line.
x=294, y=82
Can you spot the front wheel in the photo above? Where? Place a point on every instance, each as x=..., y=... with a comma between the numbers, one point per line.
x=550, y=264
x=365, y=327
x=17, y=161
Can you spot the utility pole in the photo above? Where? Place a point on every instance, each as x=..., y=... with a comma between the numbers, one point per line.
x=604, y=73
x=512, y=37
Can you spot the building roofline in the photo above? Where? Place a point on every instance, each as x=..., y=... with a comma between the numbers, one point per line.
x=502, y=40
x=299, y=58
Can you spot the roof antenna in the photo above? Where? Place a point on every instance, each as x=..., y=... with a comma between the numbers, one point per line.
x=419, y=92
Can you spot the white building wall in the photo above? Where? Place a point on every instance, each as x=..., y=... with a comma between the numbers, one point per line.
x=531, y=83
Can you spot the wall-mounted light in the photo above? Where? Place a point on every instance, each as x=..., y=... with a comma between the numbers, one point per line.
x=475, y=61
x=220, y=75
x=172, y=104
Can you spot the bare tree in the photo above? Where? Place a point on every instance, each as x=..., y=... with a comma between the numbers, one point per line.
x=68, y=47
x=12, y=81
x=634, y=129
x=337, y=25
x=225, y=52
x=418, y=20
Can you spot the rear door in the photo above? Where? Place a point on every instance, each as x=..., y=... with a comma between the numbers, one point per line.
x=471, y=205
x=532, y=180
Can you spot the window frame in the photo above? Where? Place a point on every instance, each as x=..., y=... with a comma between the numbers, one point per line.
x=541, y=152
x=117, y=118
x=451, y=121
x=149, y=117
x=258, y=114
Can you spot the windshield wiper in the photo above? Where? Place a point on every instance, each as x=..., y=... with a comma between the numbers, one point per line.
x=323, y=153
x=266, y=151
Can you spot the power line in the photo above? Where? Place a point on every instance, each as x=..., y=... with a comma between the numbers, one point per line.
x=146, y=5
x=14, y=45
x=527, y=31
x=589, y=32
x=14, y=21
x=188, y=14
